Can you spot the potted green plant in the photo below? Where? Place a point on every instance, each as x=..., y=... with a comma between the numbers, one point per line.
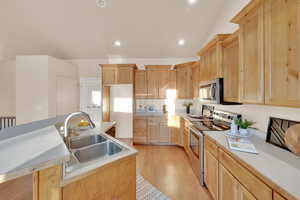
x=244, y=125
x=188, y=107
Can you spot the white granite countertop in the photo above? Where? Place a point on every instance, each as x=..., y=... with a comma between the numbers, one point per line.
x=31, y=147
x=105, y=126
x=33, y=151
x=279, y=166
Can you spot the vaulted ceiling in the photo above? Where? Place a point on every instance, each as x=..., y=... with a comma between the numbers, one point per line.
x=73, y=29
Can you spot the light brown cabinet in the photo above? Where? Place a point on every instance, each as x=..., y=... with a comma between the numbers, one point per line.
x=184, y=81
x=196, y=79
x=140, y=84
x=153, y=84
x=251, y=55
x=109, y=74
x=117, y=74
x=228, y=185
x=231, y=68
x=211, y=59
x=153, y=130
x=282, y=47
x=277, y=196
x=211, y=174
x=125, y=75
x=164, y=133
x=140, y=130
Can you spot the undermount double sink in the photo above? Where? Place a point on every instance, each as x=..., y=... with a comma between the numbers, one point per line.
x=88, y=148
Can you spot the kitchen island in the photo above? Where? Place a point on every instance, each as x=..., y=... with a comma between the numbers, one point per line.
x=41, y=150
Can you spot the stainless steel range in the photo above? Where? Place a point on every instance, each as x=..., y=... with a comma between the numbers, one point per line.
x=217, y=120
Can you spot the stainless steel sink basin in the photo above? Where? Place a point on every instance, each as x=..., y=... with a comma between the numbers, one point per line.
x=97, y=151
x=86, y=141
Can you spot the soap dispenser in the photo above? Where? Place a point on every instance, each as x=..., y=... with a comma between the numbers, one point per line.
x=233, y=127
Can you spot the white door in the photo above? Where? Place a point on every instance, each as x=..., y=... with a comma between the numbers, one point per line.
x=90, y=98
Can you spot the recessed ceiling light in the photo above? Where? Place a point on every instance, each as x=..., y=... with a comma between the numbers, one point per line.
x=192, y=1
x=117, y=43
x=181, y=42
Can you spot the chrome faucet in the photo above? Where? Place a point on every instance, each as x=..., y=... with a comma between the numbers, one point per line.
x=66, y=130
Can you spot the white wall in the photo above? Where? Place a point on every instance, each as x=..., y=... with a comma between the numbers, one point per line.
x=222, y=24
x=63, y=87
x=31, y=88
x=7, y=87
x=45, y=87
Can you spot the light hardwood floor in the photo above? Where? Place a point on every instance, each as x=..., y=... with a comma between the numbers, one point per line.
x=169, y=170
x=165, y=167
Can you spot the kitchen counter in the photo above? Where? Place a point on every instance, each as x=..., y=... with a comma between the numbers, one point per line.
x=31, y=147
x=105, y=126
x=31, y=151
x=279, y=166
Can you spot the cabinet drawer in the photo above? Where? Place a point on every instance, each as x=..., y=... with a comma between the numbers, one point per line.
x=254, y=185
x=211, y=146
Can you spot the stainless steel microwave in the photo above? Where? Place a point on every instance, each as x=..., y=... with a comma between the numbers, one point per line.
x=212, y=91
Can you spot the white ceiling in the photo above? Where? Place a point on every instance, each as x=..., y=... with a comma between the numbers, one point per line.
x=78, y=29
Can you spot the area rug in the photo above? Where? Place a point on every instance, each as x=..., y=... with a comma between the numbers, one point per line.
x=146, y=191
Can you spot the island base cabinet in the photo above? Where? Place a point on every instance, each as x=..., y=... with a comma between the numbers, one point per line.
x=116, y=180
x=46, y=184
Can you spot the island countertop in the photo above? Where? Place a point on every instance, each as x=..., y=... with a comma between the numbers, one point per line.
x=31, y=147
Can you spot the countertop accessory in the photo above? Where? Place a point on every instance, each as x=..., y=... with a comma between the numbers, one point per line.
x=292, y=139
x=188, y=105
x=276, y=131
x=244, y=125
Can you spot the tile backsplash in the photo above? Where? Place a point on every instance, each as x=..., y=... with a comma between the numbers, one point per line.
x=174, y=104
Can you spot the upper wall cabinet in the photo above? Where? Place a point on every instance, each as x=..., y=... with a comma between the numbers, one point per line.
x=196, y=79
x=231, y=68
x=211, y=59
x=184, y=80
x=117, y=74
x=251, y=53
x=159, y=80
x=140, y=84
x=282, y=52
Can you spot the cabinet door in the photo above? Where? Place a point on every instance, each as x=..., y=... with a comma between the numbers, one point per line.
x=195, y=77
x=228, y=185
x=140, y=85
x=211, y=174
x=277, y=196
x=153, y=130
x=185, y=140
x=125, y=75
x=213, y=72
x=140, y=130
x=184, y=82
x=152, y=79
x=231, y=71
x=164, y=133
x=282, y=47
x=109, y=75
x=163, y=83
x=251, y=58
x=244, y=194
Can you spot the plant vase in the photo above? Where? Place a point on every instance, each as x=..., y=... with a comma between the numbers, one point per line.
x=244, y=131
x=188, y=110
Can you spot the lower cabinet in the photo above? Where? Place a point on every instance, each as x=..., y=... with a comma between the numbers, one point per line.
x=153, y=130
x=227, y=179
x=230, y=188
x=211, y=166
x=140, y=130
